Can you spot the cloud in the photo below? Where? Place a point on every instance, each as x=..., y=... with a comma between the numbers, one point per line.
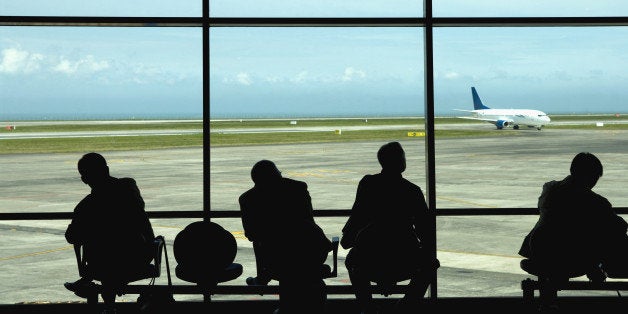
x=351, y=73
x=15, y=60
x=86, y=65
x=244, y=79
x=300, y=77
x=452, y=75
x=274, y=79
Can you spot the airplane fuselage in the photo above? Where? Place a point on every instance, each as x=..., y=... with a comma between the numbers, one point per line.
x=502, y=118
x=513, y=117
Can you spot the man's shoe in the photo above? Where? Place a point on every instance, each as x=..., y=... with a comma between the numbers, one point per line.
x=253, y=281
x=73, y=286
x=82, y=287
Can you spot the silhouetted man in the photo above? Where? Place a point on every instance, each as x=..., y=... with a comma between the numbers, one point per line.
x=389, y=220
x=277, y=217
x=577, y=229
x=113, y=228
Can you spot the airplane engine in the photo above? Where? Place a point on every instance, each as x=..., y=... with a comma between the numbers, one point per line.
x=501, y=124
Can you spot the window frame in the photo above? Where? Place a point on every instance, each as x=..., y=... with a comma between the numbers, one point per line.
x=207, y=23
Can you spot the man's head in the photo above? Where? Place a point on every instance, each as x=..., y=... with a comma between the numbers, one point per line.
x=392, y=157
x=586, y=169
x=265, y=171
x=93, y=169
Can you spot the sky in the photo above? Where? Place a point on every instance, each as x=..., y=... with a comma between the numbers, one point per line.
x=73, y=72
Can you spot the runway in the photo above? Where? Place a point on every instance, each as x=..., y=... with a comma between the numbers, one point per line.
x=478, y=254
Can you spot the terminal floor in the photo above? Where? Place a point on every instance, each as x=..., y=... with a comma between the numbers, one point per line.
x=347, y=306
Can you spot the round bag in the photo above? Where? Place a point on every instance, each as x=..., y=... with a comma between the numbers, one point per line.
x=204, y=246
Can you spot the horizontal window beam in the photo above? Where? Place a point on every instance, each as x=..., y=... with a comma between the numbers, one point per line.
x=87, y=21
x=421, y=22
x=530, y=21
x=312, y=22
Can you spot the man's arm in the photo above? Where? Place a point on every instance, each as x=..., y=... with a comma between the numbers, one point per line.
x=136, y=202
x=307, y=203
x=75, y=233
x=356, y=220
x=423, y=218
x=248, y=222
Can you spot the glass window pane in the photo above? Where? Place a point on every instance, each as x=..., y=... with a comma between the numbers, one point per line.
x=528, y=8
x=482, y=253
x=36, y=261
x=316, y=8
x=73, y=90
x=152, y=8
x=309, y=85
x=579, y=84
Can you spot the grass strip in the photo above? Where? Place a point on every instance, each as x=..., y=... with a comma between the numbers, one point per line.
x=108, y=143
x=145, y=142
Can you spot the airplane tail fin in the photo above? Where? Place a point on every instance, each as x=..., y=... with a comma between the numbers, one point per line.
x=477, y=102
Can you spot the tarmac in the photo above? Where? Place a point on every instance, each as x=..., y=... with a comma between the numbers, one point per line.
x=478, y=254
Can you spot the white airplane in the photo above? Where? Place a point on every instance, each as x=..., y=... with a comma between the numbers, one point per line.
x=506, y=117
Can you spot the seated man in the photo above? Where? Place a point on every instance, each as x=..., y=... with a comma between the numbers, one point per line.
x=113, y=228
x=289, y=246
x=386, y=231
x=577, y=230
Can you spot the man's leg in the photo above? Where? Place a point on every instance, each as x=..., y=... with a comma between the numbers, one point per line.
x=80, y=287
x=109, y=296
x=418, y=286
x=616, y=263
x=361, y=285
x=414, y=297
x=263, y=276
x=548, y=294
x=421, y=279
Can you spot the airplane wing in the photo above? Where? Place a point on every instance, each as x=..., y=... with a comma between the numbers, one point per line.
x=488, y=120
x=499, y=123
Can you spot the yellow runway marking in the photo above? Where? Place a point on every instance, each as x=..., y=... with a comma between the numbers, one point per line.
x=319, y=173
x=239, y=235
x=36, y=253
x=455, y=200
x=479, y=254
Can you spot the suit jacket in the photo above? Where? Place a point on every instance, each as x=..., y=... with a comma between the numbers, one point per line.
x=388, y=220
x=113, y=226
x=575, y=225
x=280, y=216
